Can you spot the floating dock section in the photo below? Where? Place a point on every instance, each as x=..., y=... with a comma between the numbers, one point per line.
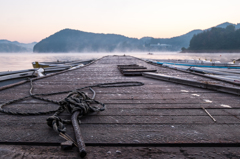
x=160, y=119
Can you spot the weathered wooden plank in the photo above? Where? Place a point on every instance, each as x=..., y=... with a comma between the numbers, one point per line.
x=103, y=79
x=174, y=96
x=29, y=105
x=167, y=112
x=160, y=119
x=129, y=119
x=171, y=101
x=54, y=152
x=154, y=110
x=161, y=103
x=128, y=92
x=126, y=133
x=171, y=105
x=26, y=151
x=113, y=110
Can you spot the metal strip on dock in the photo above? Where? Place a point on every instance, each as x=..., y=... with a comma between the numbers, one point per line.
x=219, y=88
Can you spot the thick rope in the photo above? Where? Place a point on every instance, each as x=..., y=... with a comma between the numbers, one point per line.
x=36, y=96
x=75, y=101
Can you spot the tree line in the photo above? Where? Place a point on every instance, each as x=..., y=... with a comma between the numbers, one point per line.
x=216, y=39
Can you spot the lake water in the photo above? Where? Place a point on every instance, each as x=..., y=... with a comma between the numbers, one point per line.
x=21, y=61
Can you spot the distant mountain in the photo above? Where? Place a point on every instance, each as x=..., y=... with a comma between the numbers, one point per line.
x=176, y=43
x=224, y=25
x=68, y=40
x=7, y=47
x=14, y=46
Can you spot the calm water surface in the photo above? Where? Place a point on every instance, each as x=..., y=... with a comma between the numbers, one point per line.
x=20, y=61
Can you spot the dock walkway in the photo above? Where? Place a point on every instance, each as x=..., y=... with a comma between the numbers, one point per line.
x=157, y=120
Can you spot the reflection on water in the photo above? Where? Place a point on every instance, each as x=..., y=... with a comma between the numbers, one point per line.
x=20, y=61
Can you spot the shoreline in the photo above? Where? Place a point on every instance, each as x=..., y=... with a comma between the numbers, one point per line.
x=210, y=51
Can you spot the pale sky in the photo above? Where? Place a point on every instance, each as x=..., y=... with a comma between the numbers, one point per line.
x=33, y=20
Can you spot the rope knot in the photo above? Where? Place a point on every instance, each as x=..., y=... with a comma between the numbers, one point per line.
x=56, y=123
x=79, y=101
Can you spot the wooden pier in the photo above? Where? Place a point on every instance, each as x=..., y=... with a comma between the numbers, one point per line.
x=160, y=119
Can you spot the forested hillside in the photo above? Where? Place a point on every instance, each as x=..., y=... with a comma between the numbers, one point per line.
x=216, y=39
x=69, y=40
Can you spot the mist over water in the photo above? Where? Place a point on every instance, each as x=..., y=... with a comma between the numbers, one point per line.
x=21, y=61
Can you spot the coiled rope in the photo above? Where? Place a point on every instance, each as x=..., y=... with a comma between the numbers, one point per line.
x=75, y=101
